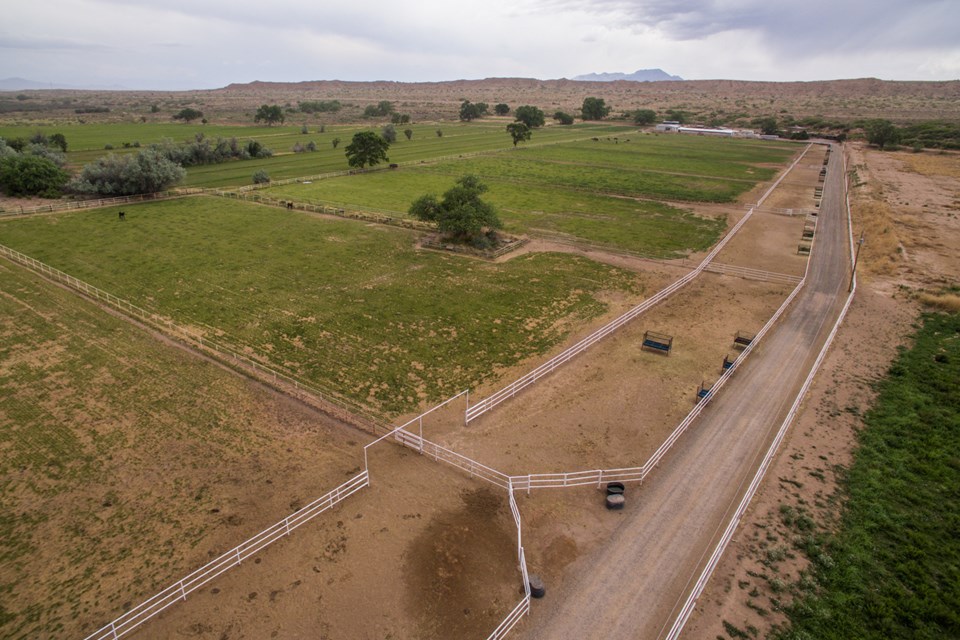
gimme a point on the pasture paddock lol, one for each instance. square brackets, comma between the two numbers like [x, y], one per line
[127, 460]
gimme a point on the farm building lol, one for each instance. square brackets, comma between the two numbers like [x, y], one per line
[668, 126]
[726, 133]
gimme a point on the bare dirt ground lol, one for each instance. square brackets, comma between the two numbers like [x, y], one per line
[907, 206]
[424, 552]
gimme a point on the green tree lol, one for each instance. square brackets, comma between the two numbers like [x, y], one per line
[530, 116]
[594, 109]
[381, 109]
[389, 133]
[461, 214]
[408, 133]
[270, 113]
[881, 133]
[482, 108]
[400, 118]
[335, 142]
[439, 133]
[644, 116]
[768, 126]
[367, 148]
[58, 140]
[30, 175]
[188, 114]
[678, 115]
[519, 131]
[469, 111]
[563, 118]
[501, 109]
[147, 171]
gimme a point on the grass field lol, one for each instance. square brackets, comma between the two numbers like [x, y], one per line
[893, 569]
[643, 226]
[86, 143]
[125, 460]
[349, 306]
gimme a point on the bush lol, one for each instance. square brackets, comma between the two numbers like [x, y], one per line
[389, 133]
[147, 171]
[563, 118]
[31, 175]
[261, 177]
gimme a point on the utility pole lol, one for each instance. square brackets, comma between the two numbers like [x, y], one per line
[856, 258]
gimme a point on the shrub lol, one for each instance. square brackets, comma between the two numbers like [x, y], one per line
[261, 177]
[31, 175]
[147, 171]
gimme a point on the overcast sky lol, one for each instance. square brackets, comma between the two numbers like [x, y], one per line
[196, 44]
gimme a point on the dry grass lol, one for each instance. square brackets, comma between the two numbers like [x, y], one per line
[949, 302]
[933, 164]
[881, 251]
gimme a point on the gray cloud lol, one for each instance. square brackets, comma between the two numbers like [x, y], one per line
[839, 25]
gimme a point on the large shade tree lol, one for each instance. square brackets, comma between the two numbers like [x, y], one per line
[367, 149]
[460, 214]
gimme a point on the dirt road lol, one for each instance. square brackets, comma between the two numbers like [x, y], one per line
[633, 587]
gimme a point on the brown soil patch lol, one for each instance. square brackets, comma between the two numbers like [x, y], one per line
[424, 552]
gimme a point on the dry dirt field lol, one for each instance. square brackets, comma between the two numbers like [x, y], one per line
[843, 100]
[907, 206]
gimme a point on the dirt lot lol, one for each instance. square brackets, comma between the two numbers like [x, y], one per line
[907, 206]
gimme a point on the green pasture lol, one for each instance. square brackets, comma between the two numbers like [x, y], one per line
[348, 306]
[117, 452]
[86, 143]
[644, 226]
[891, 567]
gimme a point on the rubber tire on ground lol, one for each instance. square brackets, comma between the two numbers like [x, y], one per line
[615, 501]
[615, 487]
[537, 588]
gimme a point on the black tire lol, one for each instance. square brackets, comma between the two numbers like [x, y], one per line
[615, 501]
[537, 588]
[614, 488]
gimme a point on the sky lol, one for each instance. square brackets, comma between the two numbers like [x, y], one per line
[202, 44]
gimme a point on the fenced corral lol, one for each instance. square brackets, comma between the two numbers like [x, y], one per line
[657, 342]
[577, 478]
[179, 590]
[439, 245]
[743, 339]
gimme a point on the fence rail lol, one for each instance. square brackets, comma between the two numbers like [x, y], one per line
[351, 411]
[179, 590]
[752, 274]
[75, 205]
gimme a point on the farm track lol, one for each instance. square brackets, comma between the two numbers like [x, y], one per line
[634, 585]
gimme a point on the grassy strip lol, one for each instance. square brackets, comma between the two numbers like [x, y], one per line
[345, 305]
[893, 568]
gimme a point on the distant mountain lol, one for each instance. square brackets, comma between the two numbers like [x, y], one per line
[641, 75]
[22, 84]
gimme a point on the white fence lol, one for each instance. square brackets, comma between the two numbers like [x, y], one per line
[179, 590]
[523, 607]
[75, 205]
[749, 273]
